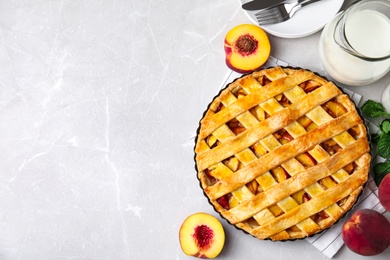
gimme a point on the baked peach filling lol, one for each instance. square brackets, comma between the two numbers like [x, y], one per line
[263, 80]
[310, 85]
[283, 136]
[235, 126]
[280, 174]
[330, 146]
[258, 149]
[259, 113]
[334, 108]
[283, 100]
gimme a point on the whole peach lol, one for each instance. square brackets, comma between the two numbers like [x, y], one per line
[384, 192]
[366, 232]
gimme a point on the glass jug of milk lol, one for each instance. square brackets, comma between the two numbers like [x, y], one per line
[355, 46]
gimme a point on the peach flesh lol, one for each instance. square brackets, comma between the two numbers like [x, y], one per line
[201, 235]
[247, 48]
[367, 232]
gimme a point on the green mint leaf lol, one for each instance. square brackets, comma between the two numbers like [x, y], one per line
[385, 126]
[380, 170]
[384, 146]
[374, 109]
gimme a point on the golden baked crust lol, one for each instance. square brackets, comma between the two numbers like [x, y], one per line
[282, 153]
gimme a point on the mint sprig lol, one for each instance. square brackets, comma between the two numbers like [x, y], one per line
[372, 108]
[383, 146]
[375, 109]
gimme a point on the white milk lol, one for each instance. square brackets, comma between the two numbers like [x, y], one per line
[368, 32]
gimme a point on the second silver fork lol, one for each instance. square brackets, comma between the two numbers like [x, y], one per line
[280, 13]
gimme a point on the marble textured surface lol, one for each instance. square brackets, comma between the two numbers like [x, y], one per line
[99, 104]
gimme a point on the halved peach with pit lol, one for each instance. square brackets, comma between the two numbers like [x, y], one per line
[247, 48]
[202, 235]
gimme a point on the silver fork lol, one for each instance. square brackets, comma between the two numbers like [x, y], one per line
[280, 13]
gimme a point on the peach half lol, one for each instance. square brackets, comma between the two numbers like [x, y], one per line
[202, 235]
[384, 192]
[247, 48]
[366, 232]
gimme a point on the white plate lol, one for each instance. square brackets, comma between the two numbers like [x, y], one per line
[310, 19]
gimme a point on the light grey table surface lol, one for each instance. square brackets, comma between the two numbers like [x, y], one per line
[99, 104]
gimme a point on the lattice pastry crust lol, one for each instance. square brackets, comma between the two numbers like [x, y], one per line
[282, 153]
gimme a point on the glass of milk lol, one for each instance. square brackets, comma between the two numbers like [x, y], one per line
[355, 46]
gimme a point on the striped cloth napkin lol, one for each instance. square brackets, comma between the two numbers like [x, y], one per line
[330, 241]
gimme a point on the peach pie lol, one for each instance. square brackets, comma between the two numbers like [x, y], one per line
[282, 153]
